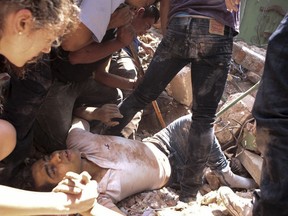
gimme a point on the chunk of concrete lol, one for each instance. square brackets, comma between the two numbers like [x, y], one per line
[252, 163]
[248, 58]
[180, 88]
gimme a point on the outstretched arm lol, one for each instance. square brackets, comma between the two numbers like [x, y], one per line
[97, 51]
[21, 202]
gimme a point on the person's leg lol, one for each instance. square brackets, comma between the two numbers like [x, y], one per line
[209, 73]
[172, 140]
[54, 118]
[170, 57]
[148, 90]
[220, 166]
[123, 65]
[270, 111]
[95, 94]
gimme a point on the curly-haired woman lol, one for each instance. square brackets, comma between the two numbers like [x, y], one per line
[27, 29]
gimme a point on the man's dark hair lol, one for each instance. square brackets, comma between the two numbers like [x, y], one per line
[20, 176]
[152, 11]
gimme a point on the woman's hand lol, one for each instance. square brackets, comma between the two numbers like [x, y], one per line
[81, 192]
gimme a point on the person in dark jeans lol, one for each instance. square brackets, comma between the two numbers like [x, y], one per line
[201, 33]
[271, 113]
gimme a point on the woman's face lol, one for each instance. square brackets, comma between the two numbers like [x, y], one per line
[20, 43]
[25, 47]
[51, 169]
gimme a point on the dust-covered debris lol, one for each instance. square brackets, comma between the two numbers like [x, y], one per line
[165, 202]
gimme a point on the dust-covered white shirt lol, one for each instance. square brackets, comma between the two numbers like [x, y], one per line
[96, 15]
[133, 166]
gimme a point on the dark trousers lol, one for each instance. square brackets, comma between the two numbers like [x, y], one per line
[271, 114]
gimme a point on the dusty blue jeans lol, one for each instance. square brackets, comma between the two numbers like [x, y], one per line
[172, 140]
[271, 114]
[187, 41]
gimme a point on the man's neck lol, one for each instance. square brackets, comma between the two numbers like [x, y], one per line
[93, 169]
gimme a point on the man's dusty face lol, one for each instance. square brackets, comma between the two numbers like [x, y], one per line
[139, 3]
[51, 169]
[142, 25]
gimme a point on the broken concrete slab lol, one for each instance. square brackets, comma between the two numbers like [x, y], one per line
[248, 58]
[180, 88]
[252, 163]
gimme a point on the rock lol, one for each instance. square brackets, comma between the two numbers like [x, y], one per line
[180, 88]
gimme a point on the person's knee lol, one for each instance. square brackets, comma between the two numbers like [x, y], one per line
[7, 138]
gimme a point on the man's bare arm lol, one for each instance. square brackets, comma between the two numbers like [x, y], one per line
[77, 39]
